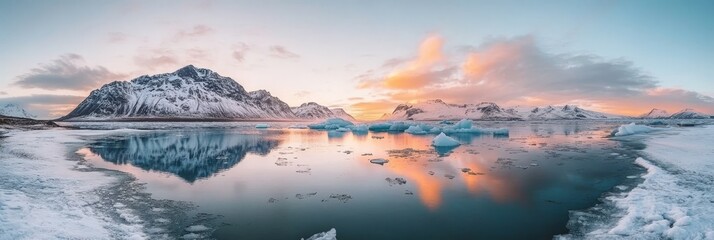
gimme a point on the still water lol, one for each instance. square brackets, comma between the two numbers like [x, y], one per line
[283, 183]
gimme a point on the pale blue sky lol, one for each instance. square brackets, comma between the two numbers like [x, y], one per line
[335, 41]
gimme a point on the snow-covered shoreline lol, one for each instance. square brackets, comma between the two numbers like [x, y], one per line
[47, 193]
[675, 200]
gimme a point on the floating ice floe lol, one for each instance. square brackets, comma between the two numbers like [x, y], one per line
[262, 125]
[416, 130]
[330, 124]
[444, 141]
[630, 129]
[329, 235]
[380, 161]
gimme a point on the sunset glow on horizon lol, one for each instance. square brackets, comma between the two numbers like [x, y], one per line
[367, 59]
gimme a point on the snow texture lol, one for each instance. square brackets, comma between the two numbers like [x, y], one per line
[329, 235]
[675, 199]
[43, 196]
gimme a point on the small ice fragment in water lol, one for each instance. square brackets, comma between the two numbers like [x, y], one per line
[262, 125]
[380, 161]
[534, 164]
[396, 181]
[621, 187]
[444, 141]
[329, 235]
[341, 197]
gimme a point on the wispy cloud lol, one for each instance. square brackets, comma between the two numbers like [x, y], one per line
[67, 72]
[282, 52]
[239, 51]
[195, 31]
[518, 71]
[156, 58]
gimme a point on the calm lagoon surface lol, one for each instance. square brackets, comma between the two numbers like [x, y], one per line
[284, 183]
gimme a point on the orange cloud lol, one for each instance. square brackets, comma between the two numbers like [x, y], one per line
[424, 70]
[516, 71]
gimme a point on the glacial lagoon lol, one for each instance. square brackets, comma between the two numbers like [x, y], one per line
[286, 183]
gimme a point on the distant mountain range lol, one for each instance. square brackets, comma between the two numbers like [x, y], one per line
[13, 110]
[199, 93]
[190, 93]
[439, 110]
[683, 114]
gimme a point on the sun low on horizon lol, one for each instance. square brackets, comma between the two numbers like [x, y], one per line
[366, 59]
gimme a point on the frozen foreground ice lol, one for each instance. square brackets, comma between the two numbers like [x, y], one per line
[44, 194]
[329, 235]
[675, 200]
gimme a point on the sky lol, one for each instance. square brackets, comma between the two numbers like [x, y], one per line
[623, 57]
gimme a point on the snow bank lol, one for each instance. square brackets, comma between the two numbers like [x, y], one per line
[444, 141]
[416, 130]
[331, 124]
[673, 202]
[630, 129]
[42, 196]
[329, 235]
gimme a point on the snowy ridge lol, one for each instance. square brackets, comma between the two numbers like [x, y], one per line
[13, 110]
[439, 110]
[655, 114]
[683, 114]
[312, 110]
[189, 92]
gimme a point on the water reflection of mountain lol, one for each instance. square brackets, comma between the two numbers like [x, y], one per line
[189, 155]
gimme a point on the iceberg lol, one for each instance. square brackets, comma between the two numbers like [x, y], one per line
[444, 141]
[262, 125]
[630, 129]
[415, 130]
[380, 127]
[360, 128]
[331, 124]
[342, 129]
[398, 127]
[464, 124]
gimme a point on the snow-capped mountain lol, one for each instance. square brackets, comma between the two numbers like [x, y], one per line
[656, 113]
[341, 113]
[189, 92]
[13, 110]
[439, 110]
[312, 110]
[689, 114]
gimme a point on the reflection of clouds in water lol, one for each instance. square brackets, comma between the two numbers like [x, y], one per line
[189, 155]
